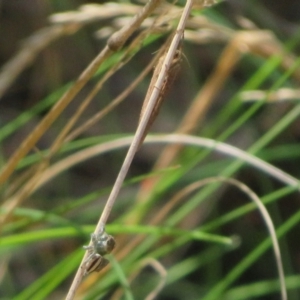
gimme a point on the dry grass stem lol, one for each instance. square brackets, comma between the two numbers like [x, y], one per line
[89, 13]
[168, 81]
[116, 42]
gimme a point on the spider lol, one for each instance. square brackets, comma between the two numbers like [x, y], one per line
[102, 244]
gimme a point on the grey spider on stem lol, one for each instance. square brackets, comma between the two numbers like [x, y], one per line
[102, 244]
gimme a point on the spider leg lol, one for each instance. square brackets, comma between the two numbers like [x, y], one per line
[94, 243]
[88, 247]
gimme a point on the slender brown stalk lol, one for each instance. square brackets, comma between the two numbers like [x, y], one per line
[136, 141]
[117, 40]
[168, 81]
